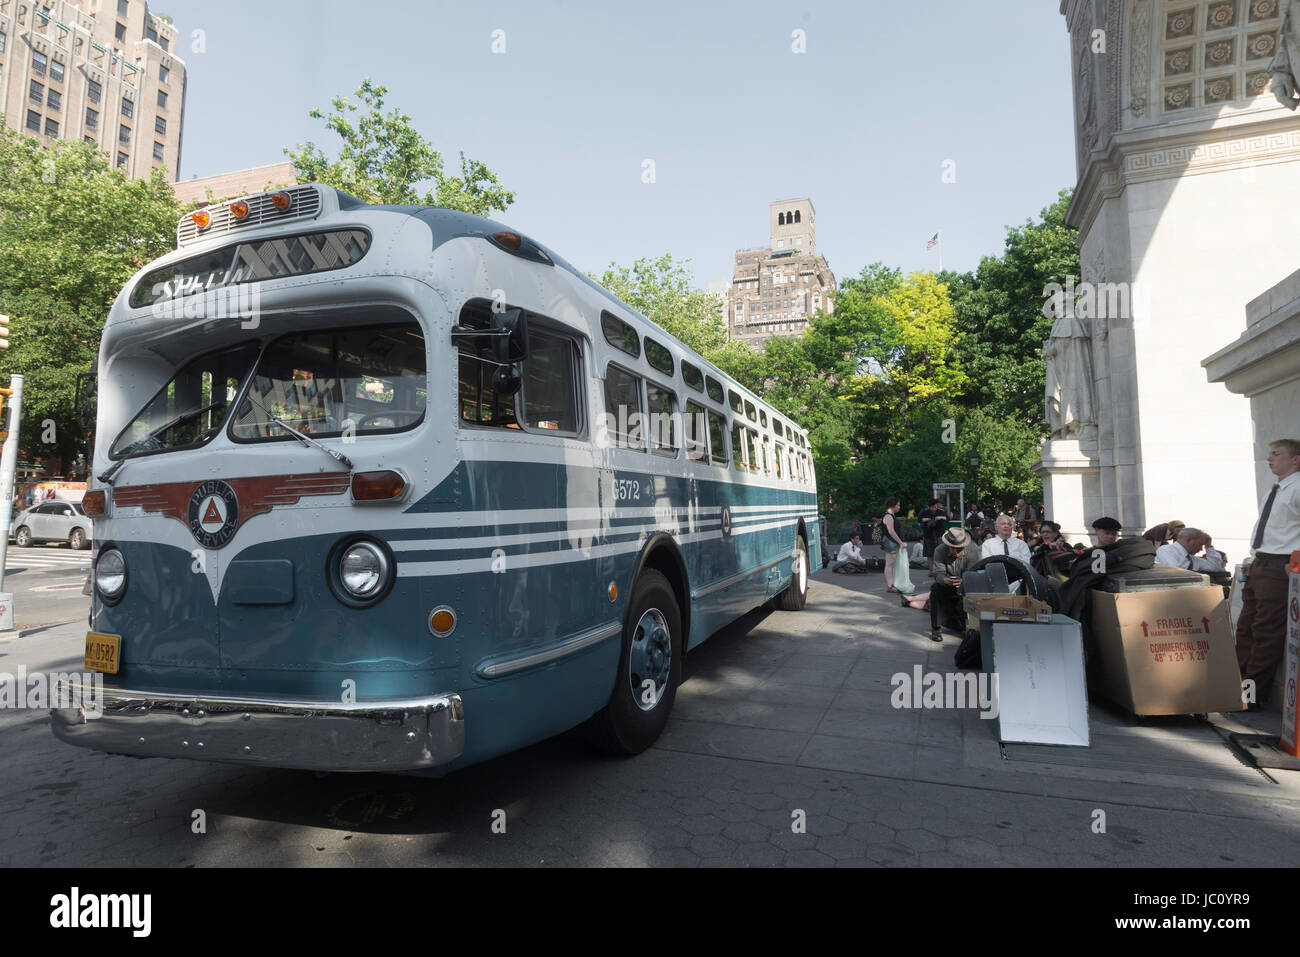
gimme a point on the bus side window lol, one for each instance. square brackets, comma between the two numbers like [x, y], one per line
[780, 473]
[717, 438]
[550, 387]
[697, 433]
[738, 453]
[623, 405]
[663, 407]
[478, 403]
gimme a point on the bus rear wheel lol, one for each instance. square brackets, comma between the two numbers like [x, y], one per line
[649, 670]
[796, 596]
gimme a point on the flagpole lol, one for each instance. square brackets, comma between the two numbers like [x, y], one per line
[940, 233]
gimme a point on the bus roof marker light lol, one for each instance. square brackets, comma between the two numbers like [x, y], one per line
[509, 240]
[202, 218]
[281, 201]
[239, 209]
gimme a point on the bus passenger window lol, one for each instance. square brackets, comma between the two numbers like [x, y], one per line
[780, 472]
[623, 405]
[620, 335]
[714, 389]
[717, 438]
[550, 387]
[693, 377]
[697, 433]
[737, 444]
[663, 406]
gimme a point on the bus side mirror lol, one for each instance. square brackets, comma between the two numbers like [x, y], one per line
[511, 348]
[512, 327]
[84, 399]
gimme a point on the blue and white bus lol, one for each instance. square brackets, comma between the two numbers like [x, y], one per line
[395, 488]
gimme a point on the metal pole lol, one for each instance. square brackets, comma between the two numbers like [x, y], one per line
[8, 465]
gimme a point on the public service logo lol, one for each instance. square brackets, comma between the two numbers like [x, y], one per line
[213, 514]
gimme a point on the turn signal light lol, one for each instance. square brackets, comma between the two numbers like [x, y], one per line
[442, 621]
[95, 503]
[281, 200]
[239, 209]
[201, 218]
[377, 486]
[509, 240]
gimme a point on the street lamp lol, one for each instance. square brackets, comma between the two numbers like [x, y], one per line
[975, 467]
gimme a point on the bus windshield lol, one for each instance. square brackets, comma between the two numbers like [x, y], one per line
[347, 382]
[191, 408]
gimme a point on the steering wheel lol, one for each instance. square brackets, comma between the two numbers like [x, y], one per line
[397, 417]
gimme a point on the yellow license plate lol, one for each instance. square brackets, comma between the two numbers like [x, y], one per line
[103, 652]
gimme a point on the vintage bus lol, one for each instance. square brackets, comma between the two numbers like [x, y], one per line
[390, 488]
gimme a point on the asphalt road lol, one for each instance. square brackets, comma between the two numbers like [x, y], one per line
[783, 749]
[46, 583]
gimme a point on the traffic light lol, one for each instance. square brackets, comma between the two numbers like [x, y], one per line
[4, 332]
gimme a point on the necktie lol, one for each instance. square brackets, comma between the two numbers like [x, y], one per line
[1006, 549]
[1190, 560]
[1263, 519]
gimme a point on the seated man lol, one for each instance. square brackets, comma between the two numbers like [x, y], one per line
[953, 558]
[1183, 552]
[850, 556]
[1003, 543]
[1107, 530]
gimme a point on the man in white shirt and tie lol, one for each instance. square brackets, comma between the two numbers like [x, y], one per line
[1261, 629]
[1003, 544]
[1183, 552]
[851, 554]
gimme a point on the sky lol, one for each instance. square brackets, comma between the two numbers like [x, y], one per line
[886, 98]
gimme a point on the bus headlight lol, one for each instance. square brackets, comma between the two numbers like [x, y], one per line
[361, 571]
[110, 575]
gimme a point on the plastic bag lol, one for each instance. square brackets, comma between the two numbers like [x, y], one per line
[902, 576]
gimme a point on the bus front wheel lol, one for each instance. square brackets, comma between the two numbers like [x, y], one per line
[795, 596]
[649, 669]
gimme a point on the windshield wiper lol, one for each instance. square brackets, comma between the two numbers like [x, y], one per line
[339, 456]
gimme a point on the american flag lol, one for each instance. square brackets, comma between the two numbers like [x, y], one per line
[933, 242]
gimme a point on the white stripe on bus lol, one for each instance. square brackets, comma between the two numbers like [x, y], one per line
[562, 556]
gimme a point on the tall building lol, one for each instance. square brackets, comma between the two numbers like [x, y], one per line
[101, 70]
[775, 288]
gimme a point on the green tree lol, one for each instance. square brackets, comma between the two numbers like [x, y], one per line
[999, 312]
[383, 159]
[72, 232]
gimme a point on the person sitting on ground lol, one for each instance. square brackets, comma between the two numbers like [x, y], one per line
[850, 557]
[953, 558]
[1183, 552]
[1003, 543]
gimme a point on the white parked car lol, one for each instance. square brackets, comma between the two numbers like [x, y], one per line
[52, 522]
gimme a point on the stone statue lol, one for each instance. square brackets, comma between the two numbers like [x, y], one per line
[1068, 355]
[1285, 66]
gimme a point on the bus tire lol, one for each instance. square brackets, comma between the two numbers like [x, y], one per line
[796, 596]
[649, 669]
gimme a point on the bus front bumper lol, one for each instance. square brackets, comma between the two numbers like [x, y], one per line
[386, 735]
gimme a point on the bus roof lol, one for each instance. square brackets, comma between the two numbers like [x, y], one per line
[261, 215]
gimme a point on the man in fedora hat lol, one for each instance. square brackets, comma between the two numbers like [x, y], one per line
[954, 556]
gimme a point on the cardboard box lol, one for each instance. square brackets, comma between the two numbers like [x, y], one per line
[1290, 729]
[1016, 608]
[1042, 694]
[1165, 652]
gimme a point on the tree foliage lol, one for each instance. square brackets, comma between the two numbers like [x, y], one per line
[383, 159]
[72, 232]
[999, 312]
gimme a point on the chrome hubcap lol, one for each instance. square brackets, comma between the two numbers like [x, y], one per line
[650, 659]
